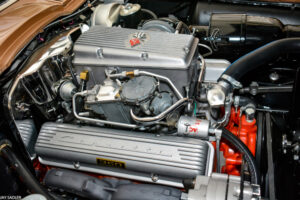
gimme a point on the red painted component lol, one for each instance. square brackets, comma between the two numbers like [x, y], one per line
[134, 42]
[246, 131]
[40, 169]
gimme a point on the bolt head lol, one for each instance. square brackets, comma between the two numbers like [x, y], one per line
[144, 56]
[76, 165]
[154, 177]
[274, 76]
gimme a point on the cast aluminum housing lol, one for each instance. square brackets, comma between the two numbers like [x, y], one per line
[168, 54]
[133, 155]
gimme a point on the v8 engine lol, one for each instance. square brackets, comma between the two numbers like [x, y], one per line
[131, 79]
[152, 104]
[130, 103]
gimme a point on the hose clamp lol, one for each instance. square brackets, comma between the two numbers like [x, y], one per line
[236, 84]
[2, 146]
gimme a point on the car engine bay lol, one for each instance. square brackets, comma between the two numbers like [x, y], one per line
[121, 101]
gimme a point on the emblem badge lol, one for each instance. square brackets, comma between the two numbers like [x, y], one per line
[137, 39]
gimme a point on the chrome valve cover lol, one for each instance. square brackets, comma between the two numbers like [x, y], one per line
[168, 54]
[133, 155]
[114, 46]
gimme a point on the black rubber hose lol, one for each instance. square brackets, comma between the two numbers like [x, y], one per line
[261, 56]
[247, 154]
[23, 172]
[70, 65]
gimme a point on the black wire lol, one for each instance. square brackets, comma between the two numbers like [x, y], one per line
[70, 65]
[59, 21]
[247, 154]
[241, 196]
[25, 175]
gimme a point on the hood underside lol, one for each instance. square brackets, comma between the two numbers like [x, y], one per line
[22, 20]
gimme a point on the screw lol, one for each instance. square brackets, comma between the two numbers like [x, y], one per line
[154, 177]
[100, 52]
[144, 56]
[274, 76]
[186, 50]
[76, 165]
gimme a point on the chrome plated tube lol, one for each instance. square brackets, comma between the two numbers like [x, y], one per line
[202, 72]
[225, 118]
[208, 48]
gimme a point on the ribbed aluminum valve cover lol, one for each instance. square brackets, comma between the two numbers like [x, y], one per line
[113, 46]
[168, 54]
[133, 155]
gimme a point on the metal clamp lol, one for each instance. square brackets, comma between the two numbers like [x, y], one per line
[236, 84]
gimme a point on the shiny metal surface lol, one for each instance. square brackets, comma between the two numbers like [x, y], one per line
[102, 47]
[66, 90]
[170, 158]
[192, 127]
[64, 44]
[175, 52]
[214, 69]
[222, 187]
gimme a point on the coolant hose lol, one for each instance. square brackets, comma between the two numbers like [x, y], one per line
[261, 56]
[23, 172]
[247, 154]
